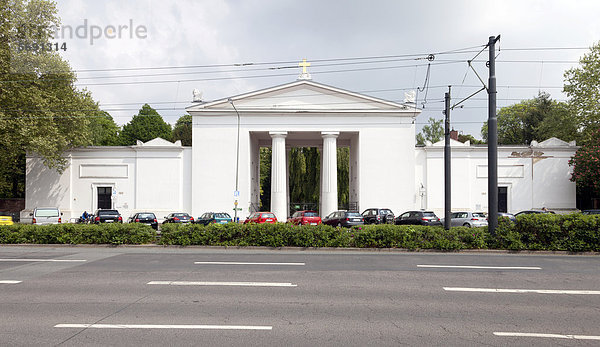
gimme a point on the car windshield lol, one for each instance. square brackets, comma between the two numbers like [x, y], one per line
[268, 215]
[477, 214]
[180, 215]
[353, 214]
[310, 214]
[108, 212]
[46, 212]
[146, 215]
[428, 214]
[222, 215]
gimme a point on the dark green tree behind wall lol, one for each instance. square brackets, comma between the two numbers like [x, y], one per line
[537, 119]
[183, 130]
[148, 124]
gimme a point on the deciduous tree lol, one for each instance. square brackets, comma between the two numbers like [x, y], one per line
[582, 86]
[538, 119]
[586, 163]
[432, 132]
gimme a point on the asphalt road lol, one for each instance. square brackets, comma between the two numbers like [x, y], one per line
[152, 296]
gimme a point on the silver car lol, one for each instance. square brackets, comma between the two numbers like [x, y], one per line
[468, 219]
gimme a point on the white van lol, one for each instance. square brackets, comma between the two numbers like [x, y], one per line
[46, 215]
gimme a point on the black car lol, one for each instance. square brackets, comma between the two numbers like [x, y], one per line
[509, 216]
[590, 211]
[532, 212]
[144, 218]
[178, 218]
[107, 216]
[418, 218]
[378, 216]
[345, 219]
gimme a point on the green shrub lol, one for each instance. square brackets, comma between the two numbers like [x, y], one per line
[574, 232]
[77, 234]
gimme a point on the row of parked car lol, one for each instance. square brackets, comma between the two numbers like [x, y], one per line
[343, 218]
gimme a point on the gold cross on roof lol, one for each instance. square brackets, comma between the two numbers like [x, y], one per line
[304, 65]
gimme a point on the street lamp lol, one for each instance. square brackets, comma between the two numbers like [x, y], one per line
[237, 163]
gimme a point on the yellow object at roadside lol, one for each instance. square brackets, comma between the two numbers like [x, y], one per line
[6, 220]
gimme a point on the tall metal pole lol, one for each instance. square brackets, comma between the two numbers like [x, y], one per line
[447, 171]
[237, 164]
[492, 140]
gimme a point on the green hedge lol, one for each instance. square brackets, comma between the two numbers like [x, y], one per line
[115, 234]
[368, 236]
[574, 233]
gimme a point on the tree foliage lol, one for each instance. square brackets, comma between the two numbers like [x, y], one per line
[432, 132]
[41, 110]
[148, 124]
[183, 130]
[586, 163]
[103, 130]
[468, 137]
[582, 86]
[538, 119]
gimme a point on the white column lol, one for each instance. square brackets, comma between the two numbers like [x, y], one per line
[278, 175]
[329, 198]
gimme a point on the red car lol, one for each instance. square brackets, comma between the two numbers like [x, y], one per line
[305, 218]
[261, 217]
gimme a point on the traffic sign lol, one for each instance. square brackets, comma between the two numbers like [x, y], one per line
[236, 193]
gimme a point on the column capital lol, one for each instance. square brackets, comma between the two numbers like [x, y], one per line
[330, 134]
[279, 134]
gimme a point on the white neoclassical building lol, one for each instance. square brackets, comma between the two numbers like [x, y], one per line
[221, 169]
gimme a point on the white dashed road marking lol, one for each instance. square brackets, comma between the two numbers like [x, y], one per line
[9, 282]
[241, 263]
[555, 336]
[246, 284]
[523, 291]
[482, 267]
[165, 326]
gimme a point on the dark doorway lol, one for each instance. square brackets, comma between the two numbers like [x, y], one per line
[104, 197]
[502, 199]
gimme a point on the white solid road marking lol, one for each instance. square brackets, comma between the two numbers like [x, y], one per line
[556, 336]
[483, 267]
[538, 291]
[165, 326]
[246, 284]
[45, 260]
[9, 282]
[241, 263]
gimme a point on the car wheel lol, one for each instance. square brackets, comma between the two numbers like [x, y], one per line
[467, 225]
[339, 225]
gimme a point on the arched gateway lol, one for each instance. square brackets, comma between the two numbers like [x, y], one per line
[228, 133]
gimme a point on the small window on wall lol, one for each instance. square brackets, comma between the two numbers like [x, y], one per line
[104, 198]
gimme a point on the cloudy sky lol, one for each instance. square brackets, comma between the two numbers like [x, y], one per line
[182, 45]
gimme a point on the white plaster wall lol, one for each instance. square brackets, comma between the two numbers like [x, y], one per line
[532, 183]
[551, 184]
[387, 167]
[145, 185]
[213, 165]
[45, 188]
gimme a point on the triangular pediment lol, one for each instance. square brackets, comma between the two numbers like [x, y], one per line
[158, 142]
[553, 142]
[303, 95]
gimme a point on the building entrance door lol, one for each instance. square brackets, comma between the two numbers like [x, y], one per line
[104, 197]
[502, 199]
